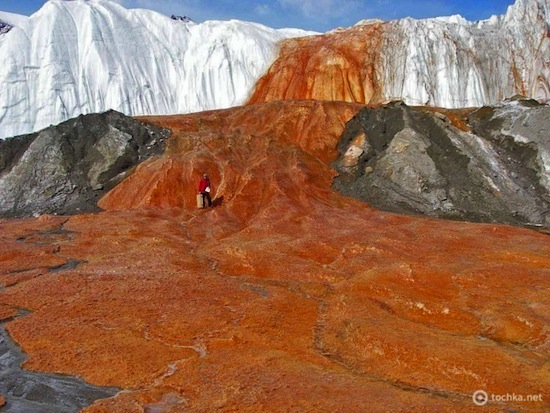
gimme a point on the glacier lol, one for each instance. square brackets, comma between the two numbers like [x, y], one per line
[85, 56]
[453, 63]
[13, 19]
[78, 57]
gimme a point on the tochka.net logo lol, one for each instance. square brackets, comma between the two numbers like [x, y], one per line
[481, 398]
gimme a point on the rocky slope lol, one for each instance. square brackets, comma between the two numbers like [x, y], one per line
[446, 62]
[68, 168]
[285, 297]
[402, 159]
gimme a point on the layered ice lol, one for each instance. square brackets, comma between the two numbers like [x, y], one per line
[451, 62]
[77, 57]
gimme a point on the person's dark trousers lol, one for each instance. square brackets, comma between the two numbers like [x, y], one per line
[205, 197]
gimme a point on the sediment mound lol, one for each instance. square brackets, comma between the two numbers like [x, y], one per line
[256, 157]
[411, 160]
[65, 169]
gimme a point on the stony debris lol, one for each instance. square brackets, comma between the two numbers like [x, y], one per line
[408, 160]
[65, 169]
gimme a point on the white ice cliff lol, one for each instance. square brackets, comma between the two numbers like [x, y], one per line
[74, 57]
[454, 63]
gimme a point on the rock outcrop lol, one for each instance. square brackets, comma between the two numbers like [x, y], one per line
[285, 297]
[66, 169]
[5, 27]
[411, 160]
[446, 62]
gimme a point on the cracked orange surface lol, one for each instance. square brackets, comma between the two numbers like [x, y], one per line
[285, 297]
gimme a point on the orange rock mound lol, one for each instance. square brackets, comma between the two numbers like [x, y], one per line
[284, 297]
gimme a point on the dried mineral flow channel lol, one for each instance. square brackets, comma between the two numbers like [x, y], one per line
[36, 392]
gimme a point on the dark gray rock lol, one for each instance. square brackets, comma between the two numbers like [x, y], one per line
[5, 27]
[66, 169]
[408, 160]
[184, 19]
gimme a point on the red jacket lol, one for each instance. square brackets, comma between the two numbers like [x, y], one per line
[203, 184]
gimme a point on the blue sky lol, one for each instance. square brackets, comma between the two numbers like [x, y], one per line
[319, 15]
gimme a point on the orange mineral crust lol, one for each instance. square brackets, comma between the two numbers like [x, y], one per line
[256, 152]
[285, 296]
[333, 66]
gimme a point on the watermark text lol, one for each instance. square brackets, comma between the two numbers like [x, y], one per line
[481, 398]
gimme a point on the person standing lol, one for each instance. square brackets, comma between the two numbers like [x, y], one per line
[204, 190]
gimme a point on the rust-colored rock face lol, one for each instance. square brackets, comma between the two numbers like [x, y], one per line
[284, 297]
[335, 66]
